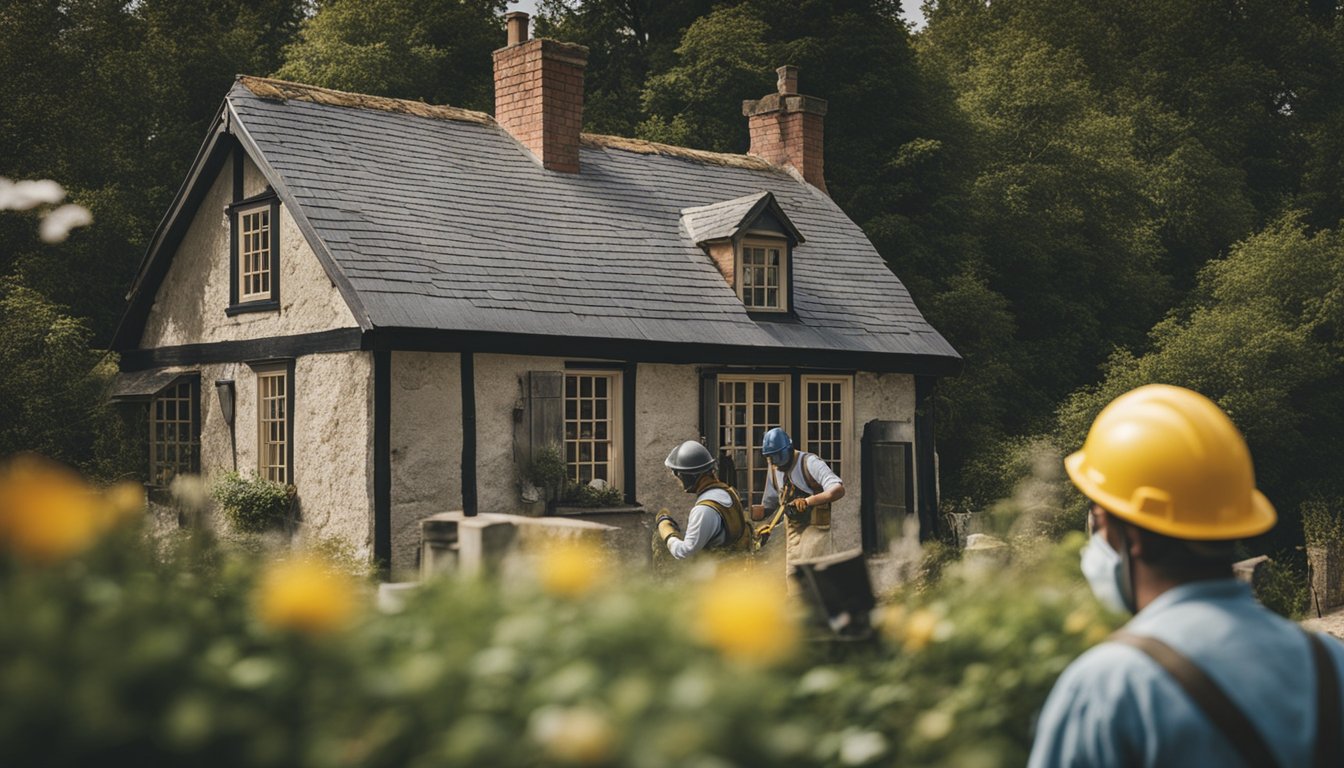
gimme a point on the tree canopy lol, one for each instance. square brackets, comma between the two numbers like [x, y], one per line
[1081, 196]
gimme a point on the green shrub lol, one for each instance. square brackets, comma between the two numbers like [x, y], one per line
[1281, 585]
[253, 504]
[1323, 521]
[163, 658]
[583, 495]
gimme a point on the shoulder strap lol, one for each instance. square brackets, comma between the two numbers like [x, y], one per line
[1327, 705]
[812, 484]
[1221, 710]
[734, 520]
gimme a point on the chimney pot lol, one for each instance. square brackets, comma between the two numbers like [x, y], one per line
[539, 95]
[786, 128]
[517, 25]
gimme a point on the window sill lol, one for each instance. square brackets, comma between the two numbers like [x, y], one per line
[778, 316]
[264, 305]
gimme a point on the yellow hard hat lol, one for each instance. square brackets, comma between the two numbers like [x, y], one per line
[1170, 461]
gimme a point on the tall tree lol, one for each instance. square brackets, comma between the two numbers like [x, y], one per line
[433, 51]
[628, 41]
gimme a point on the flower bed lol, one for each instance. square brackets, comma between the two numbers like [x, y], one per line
[194, 654]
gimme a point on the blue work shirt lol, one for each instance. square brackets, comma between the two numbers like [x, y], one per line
[1114, 706]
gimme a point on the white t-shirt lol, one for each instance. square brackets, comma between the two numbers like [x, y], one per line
[704, 528]
[815, 466]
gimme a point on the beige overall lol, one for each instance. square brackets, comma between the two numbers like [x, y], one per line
[808, 534]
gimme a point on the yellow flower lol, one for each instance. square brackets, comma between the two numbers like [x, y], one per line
[574, 735]
[571, 568]
[305, 595]
[746, 616]
[1078, 621]
[125, 500]
[920, 629]
[47, 512]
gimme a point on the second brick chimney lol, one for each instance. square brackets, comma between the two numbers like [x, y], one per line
[786, 128]
[539, 94]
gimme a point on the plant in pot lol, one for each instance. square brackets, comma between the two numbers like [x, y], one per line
[548, 473]
[1323, 529]
[253, 504]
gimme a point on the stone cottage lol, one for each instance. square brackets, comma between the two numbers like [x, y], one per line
[392, 305]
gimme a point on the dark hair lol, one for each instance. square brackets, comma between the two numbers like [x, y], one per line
[1185, 560]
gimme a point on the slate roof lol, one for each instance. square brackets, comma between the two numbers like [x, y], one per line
[441, 220]
[706, 223]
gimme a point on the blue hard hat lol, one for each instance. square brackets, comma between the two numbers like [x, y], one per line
[777, 442]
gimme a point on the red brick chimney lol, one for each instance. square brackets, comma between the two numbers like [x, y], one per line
[786, 128]
[539, 94]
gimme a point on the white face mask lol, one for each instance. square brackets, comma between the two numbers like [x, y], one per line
[1106, 574]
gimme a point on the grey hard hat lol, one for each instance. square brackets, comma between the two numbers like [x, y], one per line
[690, 457]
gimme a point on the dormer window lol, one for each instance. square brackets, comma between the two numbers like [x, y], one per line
[762, 277]
[254, 282]
[751, 242]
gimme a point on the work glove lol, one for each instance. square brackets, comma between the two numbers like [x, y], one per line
[762, 535]
[666, 526]
[796, 508]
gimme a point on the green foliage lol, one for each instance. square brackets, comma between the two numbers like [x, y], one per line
[584, 495]
[1323, 521]
[253, 504]
[53, 387]
[161, 658]
[431, 51]
[1262, 338]
[1282, 586]
[722, 60]
[548, 469]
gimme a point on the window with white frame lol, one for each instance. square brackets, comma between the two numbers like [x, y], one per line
[274, 424]
[174, 432]
[593, 426]
[254, 253]
[827, 419]
[762, 274]
[749, 406]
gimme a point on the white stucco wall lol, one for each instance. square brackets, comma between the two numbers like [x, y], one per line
[499, 392]
[190, 305]
[333, 452]
[667, 412]
[426, 442]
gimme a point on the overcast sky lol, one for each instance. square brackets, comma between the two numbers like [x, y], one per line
[910, 7]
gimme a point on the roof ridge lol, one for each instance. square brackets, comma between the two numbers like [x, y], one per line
[643, 147]
[285, 90]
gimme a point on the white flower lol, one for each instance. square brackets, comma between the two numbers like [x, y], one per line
[23, 195]
[859, 747]
[56, 225]
[189, 491]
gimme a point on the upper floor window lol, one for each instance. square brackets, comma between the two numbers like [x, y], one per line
[763, 275]
[254, 280]
[751, 242]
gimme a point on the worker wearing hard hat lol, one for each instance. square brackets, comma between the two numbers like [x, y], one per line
[717, 519]
[802, 487]
[1203, 675]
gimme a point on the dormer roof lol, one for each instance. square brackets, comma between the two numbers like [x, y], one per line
[729, 218]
